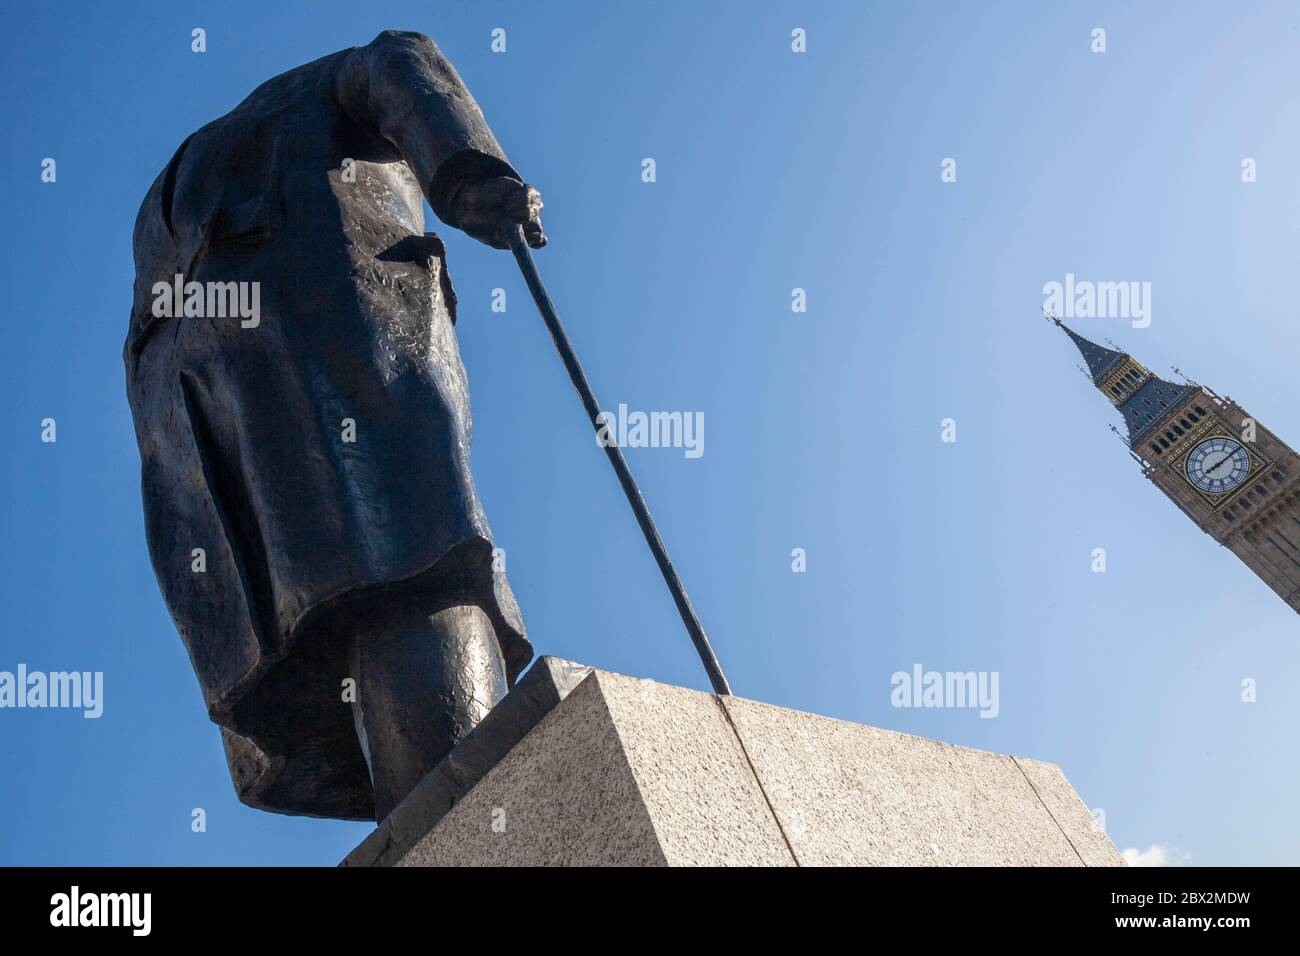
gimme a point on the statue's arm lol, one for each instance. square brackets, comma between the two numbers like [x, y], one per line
[401, 87]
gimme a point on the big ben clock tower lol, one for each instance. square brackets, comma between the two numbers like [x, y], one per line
[1238, 481]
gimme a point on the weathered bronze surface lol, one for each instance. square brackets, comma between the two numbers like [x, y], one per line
[317, 451]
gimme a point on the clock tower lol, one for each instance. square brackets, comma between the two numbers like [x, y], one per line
[1238, 481]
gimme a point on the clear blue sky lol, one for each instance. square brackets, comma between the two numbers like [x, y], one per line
[775, 171]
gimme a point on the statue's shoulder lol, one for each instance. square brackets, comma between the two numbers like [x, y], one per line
[311, 81]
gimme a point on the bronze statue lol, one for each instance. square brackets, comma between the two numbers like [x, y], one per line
[308, 500]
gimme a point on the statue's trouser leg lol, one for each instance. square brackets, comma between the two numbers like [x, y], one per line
[424, 680]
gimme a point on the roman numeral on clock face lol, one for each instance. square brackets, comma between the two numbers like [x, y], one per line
[1218, 464]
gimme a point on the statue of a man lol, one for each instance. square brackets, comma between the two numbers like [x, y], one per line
[304, 428]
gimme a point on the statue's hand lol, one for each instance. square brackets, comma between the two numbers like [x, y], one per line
[487, 208]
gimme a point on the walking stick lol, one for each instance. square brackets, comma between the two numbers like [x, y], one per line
[524, 256]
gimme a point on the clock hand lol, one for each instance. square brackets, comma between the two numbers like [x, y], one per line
[1215, 466]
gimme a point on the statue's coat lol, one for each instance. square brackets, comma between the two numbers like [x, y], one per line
[241, 429]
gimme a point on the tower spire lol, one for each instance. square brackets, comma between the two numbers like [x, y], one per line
[1100, 360]
[1143, 399]
[1186, 439]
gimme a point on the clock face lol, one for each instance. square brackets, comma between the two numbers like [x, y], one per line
[1218, 464]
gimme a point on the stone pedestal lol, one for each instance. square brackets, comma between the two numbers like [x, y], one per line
[579, 767]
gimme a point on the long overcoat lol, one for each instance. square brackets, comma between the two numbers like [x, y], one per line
[308, 455]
